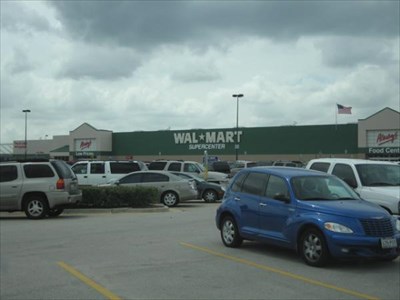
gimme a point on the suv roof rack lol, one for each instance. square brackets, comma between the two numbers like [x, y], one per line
[33, 160]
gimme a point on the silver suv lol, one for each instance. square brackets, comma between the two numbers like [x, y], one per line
[40, 189]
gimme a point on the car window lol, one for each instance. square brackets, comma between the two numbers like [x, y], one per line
[157, 165]
[123, 167]
[189, 167]
[182, 175]
[238, 165]
[220, 166]
[62, 169]
[8, 173]
[237, 184]
[97, 168]
[174, 167]
[80, 168]
[345, 172]
[255, 184]
[38, 171]
[320, 166]
[132, 178]
[276, 186]
[379, 174]
[154, 177]
[322, 188]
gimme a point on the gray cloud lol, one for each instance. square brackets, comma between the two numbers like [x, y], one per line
[149, 65]
[16, 17]
[19, 63]
[99, 63]
[143, 24]
[353, 51]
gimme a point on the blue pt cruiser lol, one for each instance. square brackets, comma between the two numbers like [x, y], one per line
[314, 213]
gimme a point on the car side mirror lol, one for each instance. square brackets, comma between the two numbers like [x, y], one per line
[116, 182]
[282, 197]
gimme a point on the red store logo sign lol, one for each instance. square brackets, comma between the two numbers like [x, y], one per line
[85, 145]
[386, 138]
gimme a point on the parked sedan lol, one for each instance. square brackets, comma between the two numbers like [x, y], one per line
[208, 191]
[316, 214]
[172, 189]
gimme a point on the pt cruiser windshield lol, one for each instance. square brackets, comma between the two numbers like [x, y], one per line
[322, 188]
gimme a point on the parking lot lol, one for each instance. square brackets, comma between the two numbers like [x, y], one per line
[170, 254]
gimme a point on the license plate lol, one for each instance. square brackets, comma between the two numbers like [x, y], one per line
[388, 243]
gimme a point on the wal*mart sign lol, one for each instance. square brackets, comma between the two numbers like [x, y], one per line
[206, 140]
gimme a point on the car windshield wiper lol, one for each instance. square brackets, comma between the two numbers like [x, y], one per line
[346, 198]
[317, 198]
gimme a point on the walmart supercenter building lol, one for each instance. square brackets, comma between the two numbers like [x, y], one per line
[375, 137]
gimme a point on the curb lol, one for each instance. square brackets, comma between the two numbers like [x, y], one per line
[154, 208]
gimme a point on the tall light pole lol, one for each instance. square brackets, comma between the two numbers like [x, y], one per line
[26, 111]
[237, 96]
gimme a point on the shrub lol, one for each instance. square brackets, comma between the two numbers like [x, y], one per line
[118, 196]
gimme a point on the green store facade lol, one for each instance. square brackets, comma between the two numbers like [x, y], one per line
[376, 137]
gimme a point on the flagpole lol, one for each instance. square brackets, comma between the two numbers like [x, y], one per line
[336, 117]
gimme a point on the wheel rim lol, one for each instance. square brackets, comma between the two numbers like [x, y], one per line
[228, 231]
[35, 208]
[170, 199]
[209, 196]
[312, 247]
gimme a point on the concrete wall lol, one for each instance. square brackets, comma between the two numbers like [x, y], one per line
[385, 119]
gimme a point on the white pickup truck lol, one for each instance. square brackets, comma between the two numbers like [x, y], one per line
[374, 181]
[41, 188]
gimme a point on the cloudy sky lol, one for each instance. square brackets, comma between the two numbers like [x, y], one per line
[156, 65]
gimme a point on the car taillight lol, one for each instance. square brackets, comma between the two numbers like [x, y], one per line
[60, 184]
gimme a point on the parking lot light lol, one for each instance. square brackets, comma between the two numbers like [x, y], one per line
[237, 96]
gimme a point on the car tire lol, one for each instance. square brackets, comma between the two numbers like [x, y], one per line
[313, 248]
[55, 212]
[230, 233]
[170, 199]
[210, 196]
[36, 207]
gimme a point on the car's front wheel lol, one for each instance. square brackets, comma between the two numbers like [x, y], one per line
[36, 207]
[313, 248]
[229, 233]
[210, 196]
[170, 199]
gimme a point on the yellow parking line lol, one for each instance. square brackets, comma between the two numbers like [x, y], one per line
[106, 293]
[280, 272]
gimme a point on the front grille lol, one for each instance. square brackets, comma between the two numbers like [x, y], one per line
[378, 227]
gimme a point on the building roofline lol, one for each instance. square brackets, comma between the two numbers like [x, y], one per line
[378, 112]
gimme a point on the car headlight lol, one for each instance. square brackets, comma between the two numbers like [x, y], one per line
[397, 224]
[335, 227]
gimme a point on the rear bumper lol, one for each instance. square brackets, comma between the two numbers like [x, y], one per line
[63, 199]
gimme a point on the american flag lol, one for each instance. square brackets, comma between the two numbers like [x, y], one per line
[344, 109]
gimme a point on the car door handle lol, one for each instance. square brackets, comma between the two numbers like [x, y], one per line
[104, 176]
[84, 176]
[236, 199]
[263, 204]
